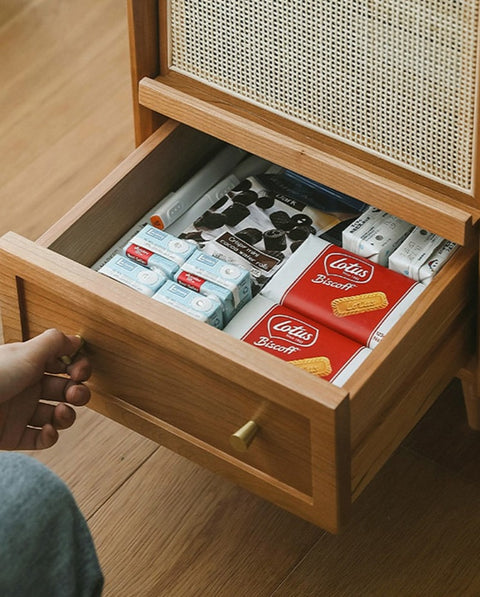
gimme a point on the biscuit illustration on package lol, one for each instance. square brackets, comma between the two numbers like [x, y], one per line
[359, 303]
[320, 366]
[297, 340]
[358, 298]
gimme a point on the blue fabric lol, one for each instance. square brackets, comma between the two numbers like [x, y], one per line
[46, 549]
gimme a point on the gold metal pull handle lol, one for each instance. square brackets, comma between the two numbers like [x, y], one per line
[241, 439]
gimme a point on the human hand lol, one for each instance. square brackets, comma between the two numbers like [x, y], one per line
[27, 421]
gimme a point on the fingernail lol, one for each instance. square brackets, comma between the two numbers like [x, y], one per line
[68, 360]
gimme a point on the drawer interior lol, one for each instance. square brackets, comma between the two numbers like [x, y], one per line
[166, 160]
[190, 386]
[188, 382]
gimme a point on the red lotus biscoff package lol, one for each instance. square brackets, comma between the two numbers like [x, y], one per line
[352, 295]
[298, 340]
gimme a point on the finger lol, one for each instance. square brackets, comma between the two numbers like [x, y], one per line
[38, 439]
[60, 416]
[80, 369]
[77, 394]
[61, 389]
[47, 349]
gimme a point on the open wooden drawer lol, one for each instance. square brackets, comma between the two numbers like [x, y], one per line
[190, 386]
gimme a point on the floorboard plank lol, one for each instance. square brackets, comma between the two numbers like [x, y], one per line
[188, 533]
[443, 435]
[66, 108]
[95, 457]
[11, 9]
[415, 532]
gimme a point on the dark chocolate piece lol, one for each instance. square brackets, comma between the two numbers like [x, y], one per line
[281, 220]
[219, 203]
[294, 246]
[196, 236]
[275, 240]
[302, 220]
[244, 185]
[210, 220]
[250, 235]
[299, 232]
[235, 214]
[265, 201]
[246, 197]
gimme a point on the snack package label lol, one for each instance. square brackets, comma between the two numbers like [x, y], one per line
[202, 286]
[198, 306]
[152, 260]
[298, 340]
[136, 276]
[351, 295]
[256, 228]
[190, 281]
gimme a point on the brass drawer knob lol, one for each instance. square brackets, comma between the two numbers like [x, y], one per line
[68, 359]
[241, 439]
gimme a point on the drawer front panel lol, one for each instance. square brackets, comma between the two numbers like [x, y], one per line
[175, 390]
[193, 379]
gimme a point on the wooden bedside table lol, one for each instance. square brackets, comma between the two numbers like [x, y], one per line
[189, 386]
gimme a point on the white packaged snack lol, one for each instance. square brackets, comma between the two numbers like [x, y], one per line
[375, 235]
[256, 228]
[421, 255]
[164, 244]
[151, 260]
[234, 278]
[135, 276]
[200, 307]
[437, 260]
[207, 288]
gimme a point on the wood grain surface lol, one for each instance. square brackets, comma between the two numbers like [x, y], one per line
[163, 526]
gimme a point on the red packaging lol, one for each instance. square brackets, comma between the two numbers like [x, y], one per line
[298, 340]
[352, 295]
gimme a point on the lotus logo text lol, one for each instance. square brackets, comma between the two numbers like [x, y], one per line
[349, 268]
[292, 330]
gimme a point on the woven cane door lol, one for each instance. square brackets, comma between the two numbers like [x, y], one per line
[395, 78]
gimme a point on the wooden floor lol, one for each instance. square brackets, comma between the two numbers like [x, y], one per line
[163, 526]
